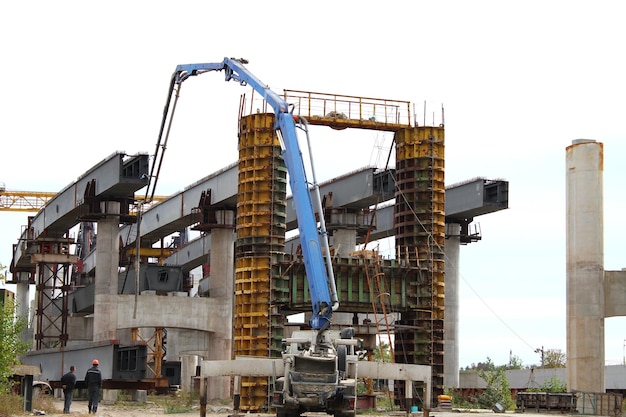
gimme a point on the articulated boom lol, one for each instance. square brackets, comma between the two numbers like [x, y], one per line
[314, 241]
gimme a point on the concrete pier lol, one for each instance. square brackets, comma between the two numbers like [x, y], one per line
[221, 286]
[451, 303]
[344, 242]
[585, 266]
[107, 262]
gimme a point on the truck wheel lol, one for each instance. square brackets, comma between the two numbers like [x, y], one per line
[342, 358]
[345, 414]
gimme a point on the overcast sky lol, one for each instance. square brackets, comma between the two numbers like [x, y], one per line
[519, 81]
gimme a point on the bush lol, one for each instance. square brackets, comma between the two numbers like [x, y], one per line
[11, 344]
[10, 405]
[44, 402]
[458, 401]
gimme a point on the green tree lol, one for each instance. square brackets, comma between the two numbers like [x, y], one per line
[553, 384]
[553, 358]
[382, 352]
[498, 389]
[515, 362]
[11, 344]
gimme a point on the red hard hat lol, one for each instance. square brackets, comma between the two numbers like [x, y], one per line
[95, 362]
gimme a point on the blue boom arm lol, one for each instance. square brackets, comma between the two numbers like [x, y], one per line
[310, 236]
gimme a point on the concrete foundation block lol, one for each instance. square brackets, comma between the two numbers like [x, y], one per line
[109, 396]
[140, 396]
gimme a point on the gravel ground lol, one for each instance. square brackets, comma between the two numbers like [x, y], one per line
[79, 409]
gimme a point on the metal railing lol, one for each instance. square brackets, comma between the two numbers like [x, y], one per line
[337, 106]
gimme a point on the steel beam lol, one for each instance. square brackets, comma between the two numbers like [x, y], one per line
[175, 213]
[118, 176]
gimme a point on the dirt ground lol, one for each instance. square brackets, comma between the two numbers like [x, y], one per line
[79, 409]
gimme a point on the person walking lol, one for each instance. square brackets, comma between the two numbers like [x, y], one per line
[68, 381]
[93, 380]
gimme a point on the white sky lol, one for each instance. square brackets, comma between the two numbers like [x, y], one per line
[519, 81]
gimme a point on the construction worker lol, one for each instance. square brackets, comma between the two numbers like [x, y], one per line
[68, 381]
[93, 380]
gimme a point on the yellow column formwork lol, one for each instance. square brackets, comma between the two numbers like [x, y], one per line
[260, 241]
[420, 235]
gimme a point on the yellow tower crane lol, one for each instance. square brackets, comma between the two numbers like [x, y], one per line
[31, 201]
[25, 201]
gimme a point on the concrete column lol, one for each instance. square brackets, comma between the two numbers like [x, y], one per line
[22, 296]
[188, 365]
[107, 262]
[451, 305]
[585, 266]
[344, 242]
[221, 288]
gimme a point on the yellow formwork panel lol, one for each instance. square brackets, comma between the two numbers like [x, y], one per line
[252, 320]
[421, 150]
[259, 215]
[267, 163]
[254, 215]
[261, 167]
[257, 121]
[252, 295]
[251, 347]
[256, 156]
[254, 231]
[257, 138]
[260, 224]
[252, 285]
[254, 198]
[252, 298]
[258, 141]
[258, 262]
[246, 323]
[254, 185]
[420, 142]
[252, 275]
[253, 180]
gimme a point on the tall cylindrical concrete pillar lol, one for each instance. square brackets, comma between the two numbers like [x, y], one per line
[451, 302]
[585, 266]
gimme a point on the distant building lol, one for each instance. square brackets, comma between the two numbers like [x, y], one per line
[6, 295]
[531, 379]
